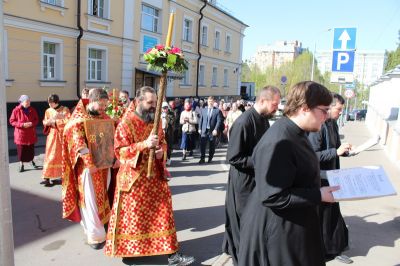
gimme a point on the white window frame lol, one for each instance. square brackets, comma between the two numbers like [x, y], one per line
[104, 74]
[106, 9]
[204, 36]
[217, 40]
[58, 64]
[226, 76]
[187, 33]
[54, 2]
[186, 76]
[57, 5]
[214, 77]
[158, 18]
[202, 72]
[228, 44]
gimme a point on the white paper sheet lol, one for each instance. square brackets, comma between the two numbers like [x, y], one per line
[366, 145]
[360, 183]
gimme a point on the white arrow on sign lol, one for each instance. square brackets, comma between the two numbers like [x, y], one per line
[344, 37]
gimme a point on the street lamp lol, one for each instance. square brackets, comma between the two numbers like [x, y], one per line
[313, 55]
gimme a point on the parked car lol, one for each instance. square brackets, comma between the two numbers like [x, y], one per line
[357, 115]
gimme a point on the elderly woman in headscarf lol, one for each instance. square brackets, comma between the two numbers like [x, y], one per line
[24, 119]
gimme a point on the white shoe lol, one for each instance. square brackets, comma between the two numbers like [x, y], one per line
[168, 162]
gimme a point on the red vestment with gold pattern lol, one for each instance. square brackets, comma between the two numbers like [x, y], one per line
[52, 165]
[73, 165]
[141, 222]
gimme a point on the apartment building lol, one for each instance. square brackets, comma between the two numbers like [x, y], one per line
[61, 46]
[277, 54]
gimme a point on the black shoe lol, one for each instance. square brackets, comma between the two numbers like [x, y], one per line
[178, 259]
[191, 153]
[202, 161]
[184, 157]
[209, 160]
[128, 261]
[34, 165]
[46, 183]
[21, 168]
[97, 246]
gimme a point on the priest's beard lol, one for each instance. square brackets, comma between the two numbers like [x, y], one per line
[147, 114]
[92, 112]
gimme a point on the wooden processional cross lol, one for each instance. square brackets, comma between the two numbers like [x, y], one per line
[160, 98]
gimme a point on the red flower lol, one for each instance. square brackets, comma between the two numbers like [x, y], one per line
[160, 47]
[175, 50]
[149, 50]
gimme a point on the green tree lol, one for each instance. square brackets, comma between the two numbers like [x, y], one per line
[393, 57]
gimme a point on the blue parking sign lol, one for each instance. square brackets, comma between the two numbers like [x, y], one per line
[343, 61]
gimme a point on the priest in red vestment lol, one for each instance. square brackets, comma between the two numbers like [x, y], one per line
[84, 186]
[54, 121]
[142, 222]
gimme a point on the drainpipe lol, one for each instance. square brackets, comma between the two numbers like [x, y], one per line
[198, 48]
[78, 50]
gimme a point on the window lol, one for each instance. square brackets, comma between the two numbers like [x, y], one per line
[150, 18]
[225, 77]
[216, 41]
[201, 75]
[187, 30]
[228, 43]
[53, 2]
[214, 76]
[51, 65]
[49, 60]
[99, 8]
[186, 76]
[204, 35]
[96, 65]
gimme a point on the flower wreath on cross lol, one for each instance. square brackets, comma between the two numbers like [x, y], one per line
[163, 59]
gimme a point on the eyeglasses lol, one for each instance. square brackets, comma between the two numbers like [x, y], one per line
[324, 111]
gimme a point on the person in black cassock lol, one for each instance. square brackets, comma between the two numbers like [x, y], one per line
[326, 143]
[246, 131]
[280, 224]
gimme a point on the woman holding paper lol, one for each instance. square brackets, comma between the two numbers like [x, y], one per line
[280, 225]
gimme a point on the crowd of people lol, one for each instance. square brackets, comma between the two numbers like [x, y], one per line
[278, 210]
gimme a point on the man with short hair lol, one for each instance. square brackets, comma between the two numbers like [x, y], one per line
[245, 133]
[124, 98]
[142, 222]
[210, 122]
[84, 186]
[328, 147]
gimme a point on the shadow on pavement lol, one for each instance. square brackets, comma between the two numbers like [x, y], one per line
[203, 248]
[175, 190]
[194, 173]
[379, 234]
[35, 217]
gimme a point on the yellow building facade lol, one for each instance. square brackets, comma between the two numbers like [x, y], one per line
[62, 46]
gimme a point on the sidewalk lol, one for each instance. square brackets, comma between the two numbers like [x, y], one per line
[374, 224]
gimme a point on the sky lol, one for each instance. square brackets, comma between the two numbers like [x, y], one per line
[308, 21]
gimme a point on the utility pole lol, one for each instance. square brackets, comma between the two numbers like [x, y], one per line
[6, 226]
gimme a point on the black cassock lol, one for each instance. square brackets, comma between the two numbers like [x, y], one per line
[334, 230]
[280, 225]
[247, 130]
